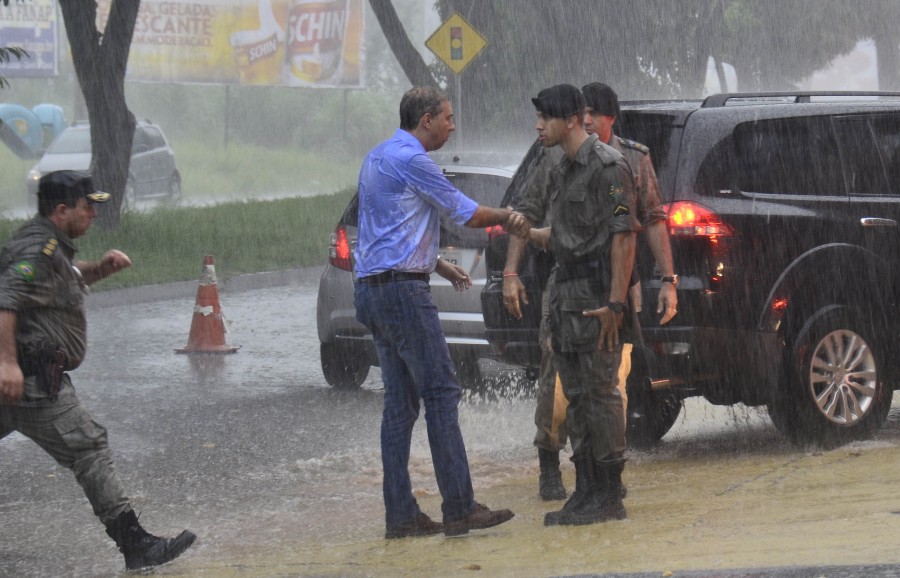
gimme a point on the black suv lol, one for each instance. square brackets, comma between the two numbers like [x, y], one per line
[782, 211]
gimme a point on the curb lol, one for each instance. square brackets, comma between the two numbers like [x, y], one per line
[187, 289]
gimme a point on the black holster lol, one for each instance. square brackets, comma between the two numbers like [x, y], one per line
[47, 365]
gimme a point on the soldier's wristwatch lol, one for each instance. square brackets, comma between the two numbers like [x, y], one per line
[616, 307]
[673, 279]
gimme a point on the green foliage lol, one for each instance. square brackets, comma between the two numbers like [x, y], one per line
[168, 245]
[6, 55]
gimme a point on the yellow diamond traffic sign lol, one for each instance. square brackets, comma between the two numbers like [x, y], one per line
[456, 43]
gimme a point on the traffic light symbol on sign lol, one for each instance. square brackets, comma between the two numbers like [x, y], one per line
[456, 44]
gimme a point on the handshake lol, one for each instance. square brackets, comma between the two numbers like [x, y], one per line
[518, 225]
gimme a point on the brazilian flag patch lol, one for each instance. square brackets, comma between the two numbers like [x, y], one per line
[621, 210]
[25, 270]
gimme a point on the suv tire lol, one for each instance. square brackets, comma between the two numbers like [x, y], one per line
[343, 367]
[835, 391]
[651, 413]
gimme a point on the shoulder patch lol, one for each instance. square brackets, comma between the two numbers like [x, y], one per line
[634, 145]
[621, 210]
[25, 270]
[50, 247]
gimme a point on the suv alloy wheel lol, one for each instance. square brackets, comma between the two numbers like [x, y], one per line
[835, 391]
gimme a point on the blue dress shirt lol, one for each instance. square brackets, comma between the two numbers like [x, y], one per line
[402, 194]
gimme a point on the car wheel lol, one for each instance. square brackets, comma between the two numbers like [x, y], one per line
[174, 188]
[835, 390]
[344, 367]
[650, 417]
[651, 413]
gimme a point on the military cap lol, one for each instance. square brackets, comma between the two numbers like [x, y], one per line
[69, 185]
[559, 101]
[601, 98]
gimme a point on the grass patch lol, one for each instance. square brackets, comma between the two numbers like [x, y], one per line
[243, 171]
[168, 244]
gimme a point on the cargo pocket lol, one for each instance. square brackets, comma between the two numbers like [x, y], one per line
[79, 431]
[575, 331]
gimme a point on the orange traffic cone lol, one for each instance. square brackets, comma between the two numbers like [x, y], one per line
[207, 327]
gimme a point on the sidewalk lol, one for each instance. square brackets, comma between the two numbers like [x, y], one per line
[686, 517]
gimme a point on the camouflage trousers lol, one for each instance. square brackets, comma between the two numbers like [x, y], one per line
[551, 407]
[66, 431]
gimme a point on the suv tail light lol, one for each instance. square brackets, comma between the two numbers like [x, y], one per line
[339, 249]
[694, 220]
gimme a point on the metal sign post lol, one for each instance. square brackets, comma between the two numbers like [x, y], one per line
[456, 43]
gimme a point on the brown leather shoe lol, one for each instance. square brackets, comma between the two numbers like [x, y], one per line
[481, 517]
[422, 525]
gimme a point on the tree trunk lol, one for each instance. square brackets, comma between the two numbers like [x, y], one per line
[409, 58]
[100, 62]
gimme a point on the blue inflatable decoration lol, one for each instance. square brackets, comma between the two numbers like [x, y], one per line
[21, 131]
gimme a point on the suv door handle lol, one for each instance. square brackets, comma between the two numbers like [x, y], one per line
[877, 222]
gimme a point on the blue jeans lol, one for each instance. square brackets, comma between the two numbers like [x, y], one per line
[415, 362]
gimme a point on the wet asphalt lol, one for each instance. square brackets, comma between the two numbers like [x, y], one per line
[279, 475]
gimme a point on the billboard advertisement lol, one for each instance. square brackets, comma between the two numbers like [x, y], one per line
[32, 26]
[305, 43]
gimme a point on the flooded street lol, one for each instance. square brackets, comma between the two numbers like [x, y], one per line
[279, 475]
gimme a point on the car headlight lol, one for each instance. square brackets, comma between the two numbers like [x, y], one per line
[34, 175]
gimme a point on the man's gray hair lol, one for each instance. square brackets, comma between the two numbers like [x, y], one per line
[419, 101]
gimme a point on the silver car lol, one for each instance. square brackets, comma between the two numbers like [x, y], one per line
[347, 351]
[151, 174]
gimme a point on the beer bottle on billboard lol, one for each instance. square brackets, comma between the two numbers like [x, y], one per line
[315, 41]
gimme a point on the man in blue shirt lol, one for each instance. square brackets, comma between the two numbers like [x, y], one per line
[402, 194]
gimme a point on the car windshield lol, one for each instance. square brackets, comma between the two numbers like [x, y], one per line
[72, 141]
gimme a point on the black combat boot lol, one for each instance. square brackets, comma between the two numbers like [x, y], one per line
[605, 502]
[584, 481]
[142, 549]
[551, 484]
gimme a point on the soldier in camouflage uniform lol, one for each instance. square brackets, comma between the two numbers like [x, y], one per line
[602, 108]
[43, 336]
[592, 239]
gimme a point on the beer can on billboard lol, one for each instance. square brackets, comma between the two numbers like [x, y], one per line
[315, 42]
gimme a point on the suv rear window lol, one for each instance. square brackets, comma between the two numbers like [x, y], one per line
[870, 146]
[788, 156]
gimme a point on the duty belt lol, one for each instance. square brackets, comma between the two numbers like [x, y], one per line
[393, 276]
[580, 270]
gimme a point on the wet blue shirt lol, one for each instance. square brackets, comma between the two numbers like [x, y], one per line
[402, 194]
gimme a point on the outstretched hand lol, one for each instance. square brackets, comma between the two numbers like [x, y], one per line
[114, 261]
[518, 225]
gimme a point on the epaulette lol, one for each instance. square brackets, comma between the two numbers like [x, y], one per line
[634, 145]
[607, 154]
[50, 247]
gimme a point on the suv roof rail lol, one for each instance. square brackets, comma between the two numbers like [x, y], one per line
[717, 100]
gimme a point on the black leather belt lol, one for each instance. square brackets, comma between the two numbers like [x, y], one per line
[393, 276]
